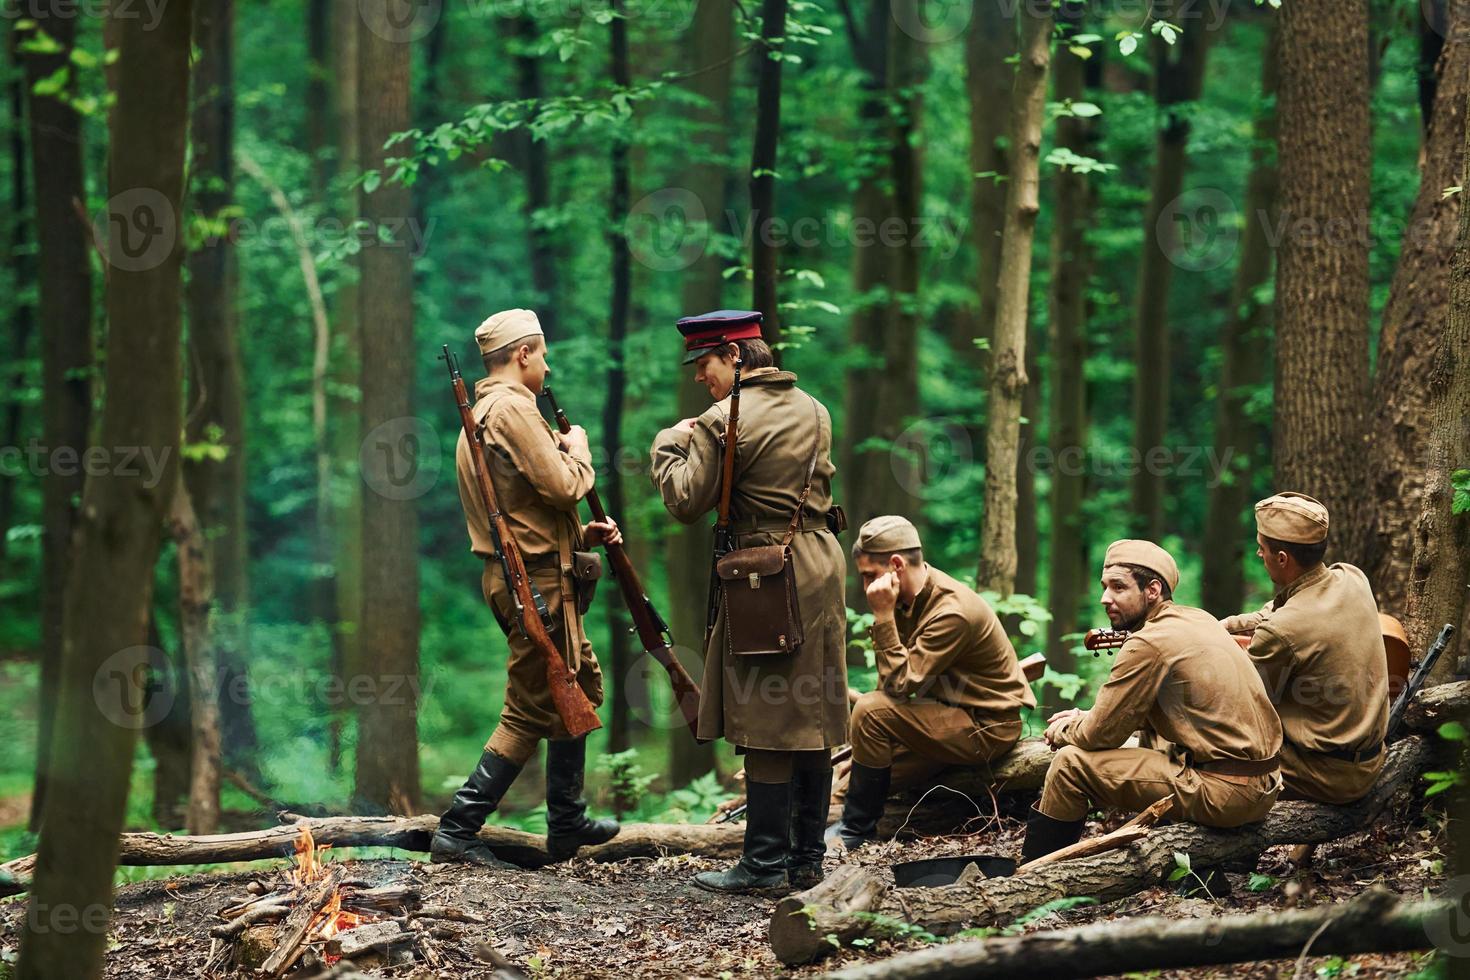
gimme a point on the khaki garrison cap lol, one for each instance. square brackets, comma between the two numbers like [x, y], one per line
[1145, 554]
[883, 535]
[506, 327]
[1292, 517]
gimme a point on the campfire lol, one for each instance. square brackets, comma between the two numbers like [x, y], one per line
[315, 916]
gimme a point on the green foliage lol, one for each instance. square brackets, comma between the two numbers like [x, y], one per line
[1460, 480]
[1260, 883]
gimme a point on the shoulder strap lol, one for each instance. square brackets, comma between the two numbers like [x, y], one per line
[811, 472]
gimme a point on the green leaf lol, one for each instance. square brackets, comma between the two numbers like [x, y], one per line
[1453, 731]
[41, 43]
[1085, 109]
[1260, 882]
[1128, 44]
[371, 181]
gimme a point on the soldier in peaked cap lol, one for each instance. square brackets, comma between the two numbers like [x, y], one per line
[950, 689]
[539, 476]
[785, 711]
[1319, 647]
[1180, 675]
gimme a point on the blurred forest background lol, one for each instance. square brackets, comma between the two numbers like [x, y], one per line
[602, 162]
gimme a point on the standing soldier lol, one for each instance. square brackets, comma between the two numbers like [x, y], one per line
[1319, 647]
[539, 477]
[1179, 675]
[950, 688]
[784, 710]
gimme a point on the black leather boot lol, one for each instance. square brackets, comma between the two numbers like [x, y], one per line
[567, 824]
[811, 798]
[455, 841]
[762, 868]
[1044, 835]
[867, 792]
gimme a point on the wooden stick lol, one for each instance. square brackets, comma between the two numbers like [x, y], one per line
[293, 932]
[1122, 837]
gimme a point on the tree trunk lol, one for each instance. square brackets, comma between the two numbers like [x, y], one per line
[879, 462]
[1321, 389]
[1415, 323]
[764, 250]
[318, 104]
[21, 271]
[170, 736]
[711, 44]
[1115, 874]
[1374, 921]
[537, 170]
[121, 517]
[1008, 380]
[1071, 260]
[989, 44]
[216, 410]
[196, 599]
[1441, 563]
[1178, 79]
[65, 273]
[619, 733]
[387, 728]
[1247, 327]
[346, 364]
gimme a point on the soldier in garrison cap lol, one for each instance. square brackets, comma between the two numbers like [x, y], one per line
[1182, 676]
[1319, 647]
[786, 711]
[950, 689]
[539, 476]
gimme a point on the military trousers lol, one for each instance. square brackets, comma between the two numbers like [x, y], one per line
[1079, 780]
[529, 714]
[919, 738]
[1312, 776]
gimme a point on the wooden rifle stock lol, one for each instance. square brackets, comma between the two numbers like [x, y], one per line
[652, 631]
[576, 711]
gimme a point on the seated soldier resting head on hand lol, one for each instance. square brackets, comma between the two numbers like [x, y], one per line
[950, 688]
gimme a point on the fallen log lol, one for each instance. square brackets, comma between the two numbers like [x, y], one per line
[1373, 922]
[1433, 706]
[1105, 877]
[407, 833]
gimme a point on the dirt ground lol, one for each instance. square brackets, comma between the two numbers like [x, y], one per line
[643, 918]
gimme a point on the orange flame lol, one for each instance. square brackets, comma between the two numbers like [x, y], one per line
[309, 863]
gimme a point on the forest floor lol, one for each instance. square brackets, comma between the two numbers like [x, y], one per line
[643, 918]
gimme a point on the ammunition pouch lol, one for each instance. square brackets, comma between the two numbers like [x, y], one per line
[585, 570]
[758, 595]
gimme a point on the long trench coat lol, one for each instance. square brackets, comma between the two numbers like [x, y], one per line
[781, 702]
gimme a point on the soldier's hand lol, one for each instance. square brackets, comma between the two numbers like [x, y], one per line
[575, 439]
[883, 595]
[602, 532]
[1057, 722]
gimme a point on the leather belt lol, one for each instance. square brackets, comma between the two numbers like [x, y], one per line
[1239, 767]
[1346, 755]
[535, 563]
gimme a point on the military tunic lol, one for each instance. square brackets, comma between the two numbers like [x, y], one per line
[778, 702]
[538, 487]
[1319, 648]
[1183, 677]
[950, 687]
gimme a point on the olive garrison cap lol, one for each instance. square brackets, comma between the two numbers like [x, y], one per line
[886, 534]
[707, 331]
[506, 327]
[1292, 517]
[1146, 554]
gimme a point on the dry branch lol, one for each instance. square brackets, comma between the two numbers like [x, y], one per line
[293, 932]
[1374, 921]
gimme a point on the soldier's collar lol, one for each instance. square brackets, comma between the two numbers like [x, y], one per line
[923, 595]
[1155, 612]
[484, 386]
[767, 376]
[1308, 579]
